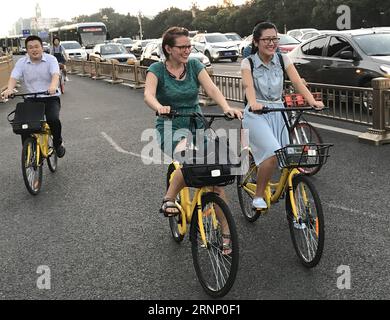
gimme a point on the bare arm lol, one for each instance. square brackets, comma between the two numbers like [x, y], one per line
[150, 94]
[55, 78]
[249, 88]
[10, 88]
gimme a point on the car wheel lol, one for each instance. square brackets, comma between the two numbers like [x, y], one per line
[208, 55]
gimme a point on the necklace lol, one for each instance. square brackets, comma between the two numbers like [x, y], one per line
[181, 75]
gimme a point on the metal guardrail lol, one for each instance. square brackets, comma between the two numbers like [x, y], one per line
[6, 66]
[366, 106]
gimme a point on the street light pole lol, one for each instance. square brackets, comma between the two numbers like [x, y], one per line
[140, 24]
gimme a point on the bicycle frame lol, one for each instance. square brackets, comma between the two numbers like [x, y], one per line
[188, 205]
[274, 191]
[42, 140]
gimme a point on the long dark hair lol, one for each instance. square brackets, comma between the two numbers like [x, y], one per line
[169, 37]
[258, 31]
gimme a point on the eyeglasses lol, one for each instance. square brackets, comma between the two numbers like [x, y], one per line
[268, 40]
[182, 48]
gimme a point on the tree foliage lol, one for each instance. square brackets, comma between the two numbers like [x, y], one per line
[286, 14]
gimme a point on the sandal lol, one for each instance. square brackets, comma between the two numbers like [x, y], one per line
[226, 244]
[169, 204]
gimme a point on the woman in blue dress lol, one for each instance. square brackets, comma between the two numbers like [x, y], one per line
[263, 87]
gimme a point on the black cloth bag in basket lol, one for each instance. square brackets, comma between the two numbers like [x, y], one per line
[29, 118]
[210, 162]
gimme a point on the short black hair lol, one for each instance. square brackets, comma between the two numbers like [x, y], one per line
[33, 38]
[56, 38]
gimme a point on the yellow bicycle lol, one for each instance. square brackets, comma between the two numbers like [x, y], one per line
[210, 220]
[302, 202]
[38, 146]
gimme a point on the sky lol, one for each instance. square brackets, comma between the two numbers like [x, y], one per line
[67, 9]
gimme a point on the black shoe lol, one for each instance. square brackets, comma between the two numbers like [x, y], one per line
[60, 151]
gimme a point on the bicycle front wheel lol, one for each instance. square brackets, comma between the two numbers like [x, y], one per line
[32, 171]
[308, 230]
[52, 159]
[304, 133]
[246, 187]
[216, 263]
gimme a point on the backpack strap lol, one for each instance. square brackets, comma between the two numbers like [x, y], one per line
[283, 69]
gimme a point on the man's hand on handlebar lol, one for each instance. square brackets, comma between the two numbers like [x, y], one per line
[7, 93]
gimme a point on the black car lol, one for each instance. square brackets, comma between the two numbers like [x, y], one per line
[350, 58]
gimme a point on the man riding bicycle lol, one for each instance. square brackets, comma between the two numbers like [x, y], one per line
[40, 72]
[58, 51]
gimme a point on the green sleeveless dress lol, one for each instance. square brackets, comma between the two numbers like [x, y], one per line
[182, 96]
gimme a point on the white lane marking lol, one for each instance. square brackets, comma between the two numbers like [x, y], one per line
[346, 131]
[119, 149]
[354, 211]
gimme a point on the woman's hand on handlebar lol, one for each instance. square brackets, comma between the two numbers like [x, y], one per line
[318, 105]
[256, 107]
[163, 110]
[233, 113]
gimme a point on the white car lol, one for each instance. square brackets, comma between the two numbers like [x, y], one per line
[234, 37]
[74, 50]
[215, 46]
[298, 33]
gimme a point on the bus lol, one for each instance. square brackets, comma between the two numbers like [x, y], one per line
[88, 34]
[13, 44]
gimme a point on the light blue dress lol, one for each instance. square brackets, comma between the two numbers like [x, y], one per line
[267, 132]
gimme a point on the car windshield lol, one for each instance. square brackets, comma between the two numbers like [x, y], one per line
[233, 37]
[286, 39]
[69, 46]
[113, 49]
[216, 38]
[377, 44]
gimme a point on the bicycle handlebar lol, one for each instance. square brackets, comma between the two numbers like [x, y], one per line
[29, 94]
[268, 110]
[174, 113]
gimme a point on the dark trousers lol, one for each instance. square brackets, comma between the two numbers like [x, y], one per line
[52, 112]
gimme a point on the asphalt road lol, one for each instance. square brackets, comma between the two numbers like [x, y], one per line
[96, 224]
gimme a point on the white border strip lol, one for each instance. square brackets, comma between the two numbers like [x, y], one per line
[330, 128]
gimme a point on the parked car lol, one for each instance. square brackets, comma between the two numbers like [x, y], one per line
[287, 43]
[138, 46]
[312, 34]
[126, 42]
[153, 53]
[215, 46]
[234, 37]
[244, 43]
[298, 33]
[74, 50]
[348, 58]
[46, 47]
[105, 52]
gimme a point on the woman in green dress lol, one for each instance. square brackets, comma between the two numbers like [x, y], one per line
[174, 85]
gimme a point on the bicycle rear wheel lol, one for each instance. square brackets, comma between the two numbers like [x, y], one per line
[32, 172]
[303, 133]
[215, 266]
[174, 221]
[308, 232]
[244, 197]
[52, 159]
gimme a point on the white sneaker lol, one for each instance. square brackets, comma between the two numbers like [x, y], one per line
[66, 78]
[259, 203]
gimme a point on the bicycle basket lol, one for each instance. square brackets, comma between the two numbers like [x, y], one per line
[210, 168]
[303, 155]
[29, 118]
